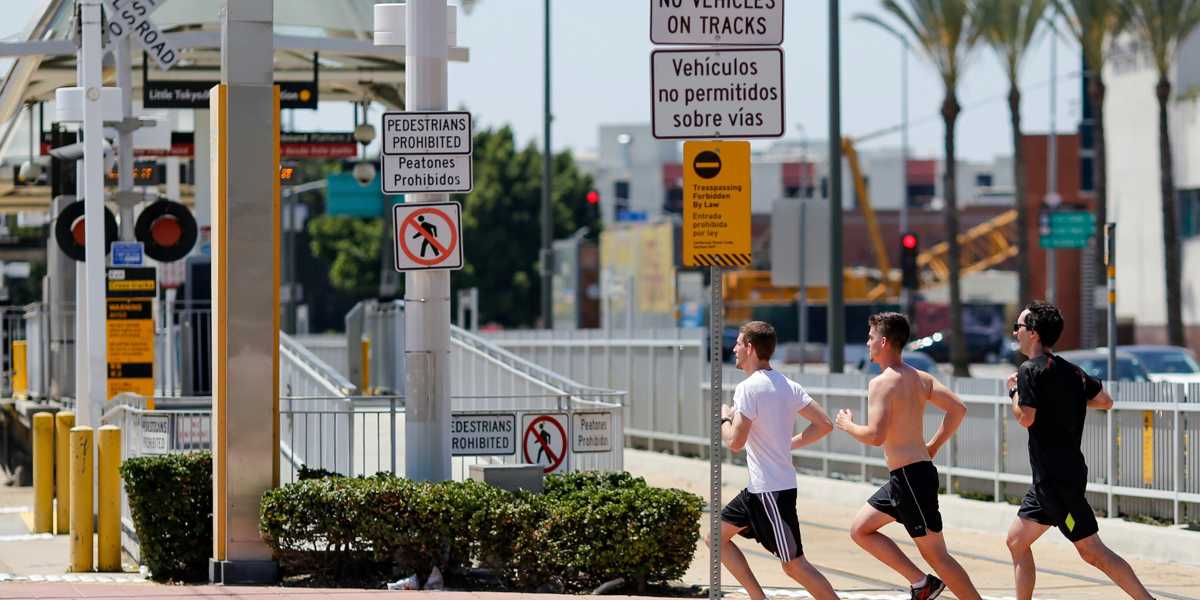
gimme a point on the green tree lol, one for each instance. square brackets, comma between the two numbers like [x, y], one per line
[1010, 28]
[351, 247]
[1095, 24]
[945, 32]
[501, 224]
[1163, 25]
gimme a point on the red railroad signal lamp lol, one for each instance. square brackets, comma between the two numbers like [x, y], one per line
[593, 197]
[909, 278]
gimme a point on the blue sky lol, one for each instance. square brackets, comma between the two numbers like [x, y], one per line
[600, 72]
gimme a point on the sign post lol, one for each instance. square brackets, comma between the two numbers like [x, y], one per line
[716, 93]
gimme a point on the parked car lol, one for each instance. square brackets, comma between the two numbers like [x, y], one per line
[1095, 363]
[1165, 363]
[918, 360]
[981, 347]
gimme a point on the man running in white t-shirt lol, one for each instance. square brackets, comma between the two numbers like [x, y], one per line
[762, 421]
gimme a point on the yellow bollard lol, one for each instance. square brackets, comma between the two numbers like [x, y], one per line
[108, 453]
[366, 367]
[43, 472]
[20, 367]
[64, 421]
[81, 499]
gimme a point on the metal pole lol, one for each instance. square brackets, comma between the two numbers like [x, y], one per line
[1052, 170]
[427, 293]
[1110, 261]
[93, 176]
[803, 312]
[547, 216]
[837, 334]
[125, 138]
[716, 324]
[905, 293]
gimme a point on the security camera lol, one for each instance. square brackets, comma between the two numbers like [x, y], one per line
[364, 173]
[364, 133]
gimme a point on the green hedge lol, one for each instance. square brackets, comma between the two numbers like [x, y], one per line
[586, 529]
[170, 496]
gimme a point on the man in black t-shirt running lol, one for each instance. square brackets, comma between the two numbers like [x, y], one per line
[1050, 398]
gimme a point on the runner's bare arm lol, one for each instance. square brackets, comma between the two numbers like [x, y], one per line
[819, 425]
[874, 433]
[951, 404]
[735, 434]
[1101, 401]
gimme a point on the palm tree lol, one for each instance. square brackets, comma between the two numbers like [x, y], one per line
[1162, 25]
[1095, 23]
[945, 34]
[1010, 28]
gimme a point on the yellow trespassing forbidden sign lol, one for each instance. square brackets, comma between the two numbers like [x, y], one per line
[716, 204]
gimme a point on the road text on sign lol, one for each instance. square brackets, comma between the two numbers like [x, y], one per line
[428, 236]
[716, 93]
[1066, 228]
[591, 432]
[756, 23]
[132, 17]
[474, 434]
[716, 204]
[544, 441]
[426, 152]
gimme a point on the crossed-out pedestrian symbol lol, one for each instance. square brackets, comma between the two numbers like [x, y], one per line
[437, 234]
[545, 443]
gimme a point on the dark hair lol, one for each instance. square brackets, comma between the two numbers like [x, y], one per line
[891, 325]
[1045, 320]
[760, 336]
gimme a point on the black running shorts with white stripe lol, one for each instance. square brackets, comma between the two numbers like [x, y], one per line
[770, 518]
[911, 498]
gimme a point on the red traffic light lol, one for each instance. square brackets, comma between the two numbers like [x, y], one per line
[593, 197]
[909, 241]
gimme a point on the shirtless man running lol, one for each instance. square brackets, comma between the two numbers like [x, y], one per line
[895, 409]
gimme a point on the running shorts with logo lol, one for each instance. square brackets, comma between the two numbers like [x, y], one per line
[770, 518]
[1060, 504]
[911, 497]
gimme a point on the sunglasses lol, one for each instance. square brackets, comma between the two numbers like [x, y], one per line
[1017, 327]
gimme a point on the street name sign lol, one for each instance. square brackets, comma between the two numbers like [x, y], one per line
[1066, 228]
[713, 93]
[703, 22]
[426, 152]
[716, 204]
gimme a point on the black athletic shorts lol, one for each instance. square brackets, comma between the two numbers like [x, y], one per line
[911, 497]
[770, 518]
[1061, 505]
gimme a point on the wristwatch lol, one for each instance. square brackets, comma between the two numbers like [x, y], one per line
[725, 420]
[1012, 392]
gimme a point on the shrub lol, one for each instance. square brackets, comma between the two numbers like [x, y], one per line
[170, 497]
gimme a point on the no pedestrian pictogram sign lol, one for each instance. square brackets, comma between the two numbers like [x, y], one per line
[545, 441]
[428, 236]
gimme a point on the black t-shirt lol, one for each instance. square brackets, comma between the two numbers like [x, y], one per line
[1059, 391]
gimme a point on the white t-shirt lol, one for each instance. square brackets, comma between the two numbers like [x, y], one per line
[771, 401]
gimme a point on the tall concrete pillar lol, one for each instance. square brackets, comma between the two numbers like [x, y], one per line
[244, 125]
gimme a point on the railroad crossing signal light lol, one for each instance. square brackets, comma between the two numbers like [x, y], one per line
[908, 261]
[593, 197]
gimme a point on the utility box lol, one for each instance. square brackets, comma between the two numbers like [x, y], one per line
[510, 477]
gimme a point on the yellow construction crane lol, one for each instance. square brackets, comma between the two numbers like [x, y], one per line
[981, 247]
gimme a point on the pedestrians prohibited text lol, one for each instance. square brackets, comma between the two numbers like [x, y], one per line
[591, 432]
[716, 204]
[716, 93]
[545, 442]
[426, 152]
[475, 434]
[428, 236]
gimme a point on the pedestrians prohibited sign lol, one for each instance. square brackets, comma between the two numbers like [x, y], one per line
[591, 432]
[545, 441]
[428, 236]
[716, 93]
[716, 24]
[716, 204]
[478, 434]
[426, 152]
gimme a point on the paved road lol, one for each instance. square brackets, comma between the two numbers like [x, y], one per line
[855, 574]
